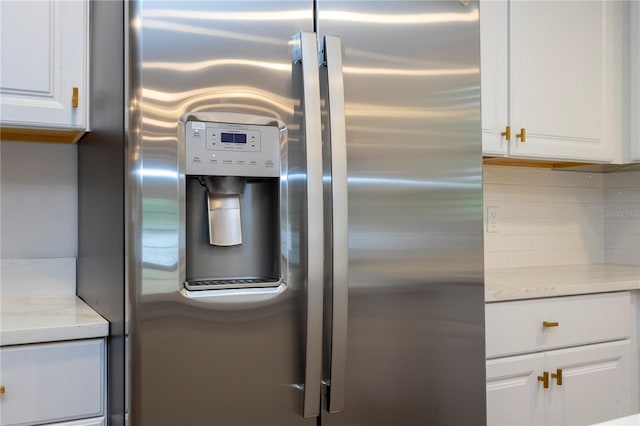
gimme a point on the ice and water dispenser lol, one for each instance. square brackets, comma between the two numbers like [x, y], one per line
[232, 165]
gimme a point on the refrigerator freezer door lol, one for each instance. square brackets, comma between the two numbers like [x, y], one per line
[230, 360]
[415, 351]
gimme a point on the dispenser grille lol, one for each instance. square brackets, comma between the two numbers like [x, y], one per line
[219, 284]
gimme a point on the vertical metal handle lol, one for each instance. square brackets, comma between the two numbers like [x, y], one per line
[305, 52]
[74, 97]
[558, 376]
[506, 133]
[522, 135]
[544, 379]
[332, 51]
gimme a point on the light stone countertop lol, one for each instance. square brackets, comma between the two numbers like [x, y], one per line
[47, 319]
[632, 420]
[549, 281]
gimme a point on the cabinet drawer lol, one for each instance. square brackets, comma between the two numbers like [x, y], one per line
[517, 327]
[52, 382]
[96, 421]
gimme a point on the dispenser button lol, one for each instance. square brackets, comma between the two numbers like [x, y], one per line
[268, 164]
[213, 139]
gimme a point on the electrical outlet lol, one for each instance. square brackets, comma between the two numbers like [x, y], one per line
[494, 219]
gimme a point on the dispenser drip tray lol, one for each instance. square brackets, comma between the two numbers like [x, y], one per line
[220, 284]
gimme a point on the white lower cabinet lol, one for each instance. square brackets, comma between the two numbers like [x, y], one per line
[513, 394]
[53, 382]
[586, 385]
[595, 384]
[97, 421]
[574, 362]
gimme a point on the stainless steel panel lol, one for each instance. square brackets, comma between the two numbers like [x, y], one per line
[234, 360]
[101, 199]
[415, 354]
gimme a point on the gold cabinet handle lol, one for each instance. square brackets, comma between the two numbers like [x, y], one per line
[506, 133]
[522, 135]
[549, 324]
[544, 379]
[1, 389]
[74, 97]
[558, 376]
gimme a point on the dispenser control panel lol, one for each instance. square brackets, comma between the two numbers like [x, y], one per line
[232, 149]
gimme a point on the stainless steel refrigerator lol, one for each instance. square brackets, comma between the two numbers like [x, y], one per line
[281, 212]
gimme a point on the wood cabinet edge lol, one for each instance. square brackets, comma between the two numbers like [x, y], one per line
[40, 135]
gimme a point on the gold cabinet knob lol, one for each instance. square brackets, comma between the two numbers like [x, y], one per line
[558, 376]
[1, 389]
[544, 379]
[506, 133]
[522, 135]
[549, 324]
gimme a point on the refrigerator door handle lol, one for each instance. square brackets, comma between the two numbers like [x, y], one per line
[332, 50]
[305, 53]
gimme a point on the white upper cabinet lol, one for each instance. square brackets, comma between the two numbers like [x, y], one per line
[559, 63]
[494, 75]
[635, 80]
[44, 60]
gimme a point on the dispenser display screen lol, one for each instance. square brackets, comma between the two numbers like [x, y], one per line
[233, 137]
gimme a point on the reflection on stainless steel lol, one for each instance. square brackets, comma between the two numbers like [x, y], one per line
[404, 146]
[416, 297]
[399, 112]
[244, 16]
[202, 31]
[337, 216]
[412, 73]
[305, 53]
[399, 19]
[204, 350]
[199, 66]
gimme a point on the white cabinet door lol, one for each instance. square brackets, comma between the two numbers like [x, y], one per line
[43, 57]
[494, 74]
[635, 80]
[595, 384]
[562, 62]
[52, 382]
[514, 394]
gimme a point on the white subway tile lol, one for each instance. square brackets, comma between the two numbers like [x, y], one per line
[553, 217]
[493, 260]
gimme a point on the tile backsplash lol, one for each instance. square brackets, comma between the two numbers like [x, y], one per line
[544, 217]
[547, 217]
[622, 218]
